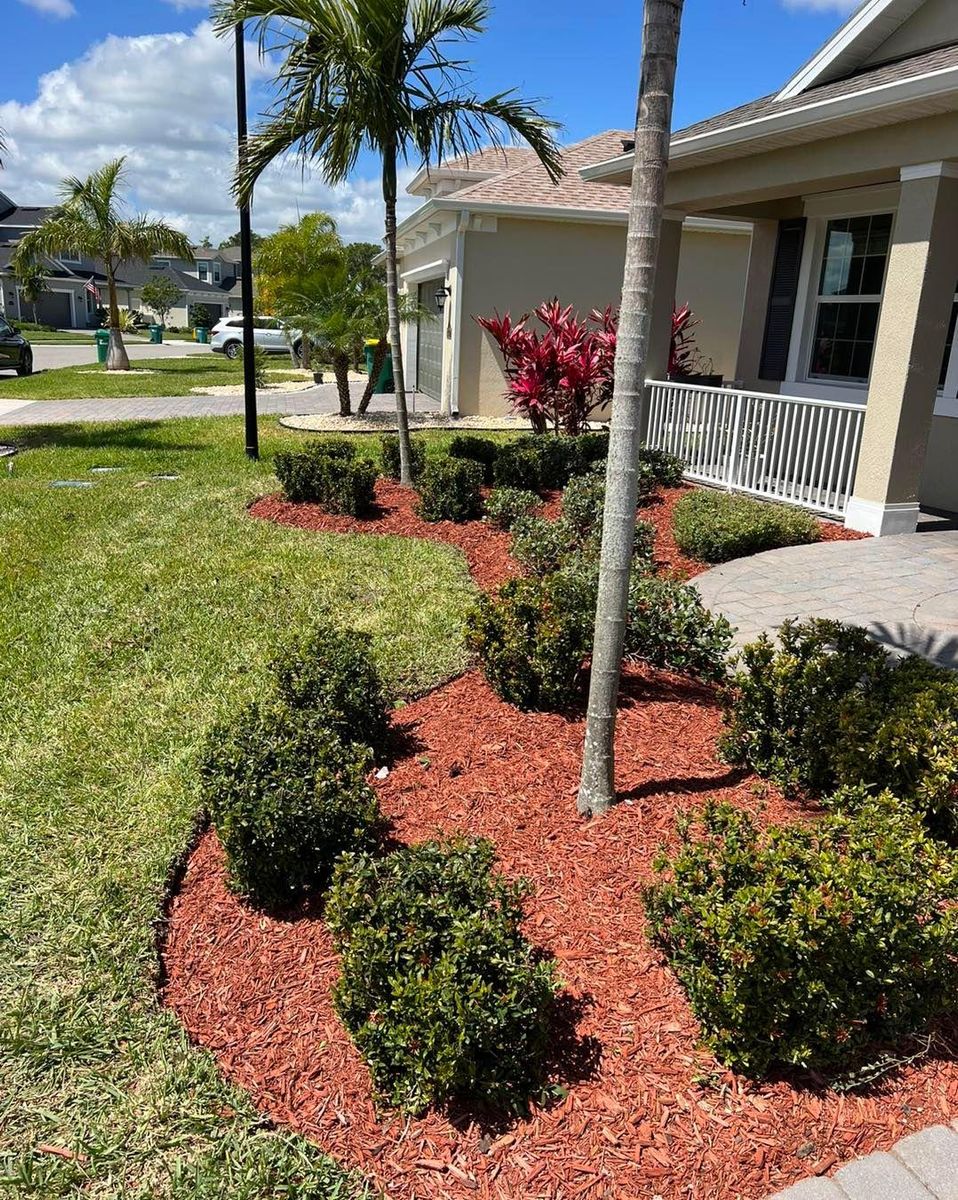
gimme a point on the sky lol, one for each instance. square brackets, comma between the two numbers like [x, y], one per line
[88, 80]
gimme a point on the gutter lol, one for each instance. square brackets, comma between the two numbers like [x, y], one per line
[458, 288]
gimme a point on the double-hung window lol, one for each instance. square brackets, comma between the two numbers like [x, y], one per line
[203, 270]
[849, 297]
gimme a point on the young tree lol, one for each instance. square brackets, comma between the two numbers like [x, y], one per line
[660, 41]
[89, 220]
[376, 74]
[32, 283]
[160, 295]
[234, 240]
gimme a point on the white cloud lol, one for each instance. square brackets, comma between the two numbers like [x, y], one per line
[822, 6]
[182, 5]
[167, 101]
[52, 8]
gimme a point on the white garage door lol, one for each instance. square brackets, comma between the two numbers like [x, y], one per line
[429, 357]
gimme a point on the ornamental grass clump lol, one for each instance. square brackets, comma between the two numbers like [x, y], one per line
[389, 445]
[717, 526]
[824, 946]
[440, 991]
[329, 473]
[451, 490]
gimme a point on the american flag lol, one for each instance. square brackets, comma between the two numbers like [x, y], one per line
[93, 289]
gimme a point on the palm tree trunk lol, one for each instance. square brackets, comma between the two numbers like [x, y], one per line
[117, 358]
[392, 306]
[341, 371]
[660, 41]
[379, 357]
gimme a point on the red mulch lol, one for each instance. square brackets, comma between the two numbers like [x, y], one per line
[639, 1123]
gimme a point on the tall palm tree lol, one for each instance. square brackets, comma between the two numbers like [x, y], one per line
[89, 221]
[375, 75]
[660, 43]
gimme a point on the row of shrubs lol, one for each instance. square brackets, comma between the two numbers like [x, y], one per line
[439, 989]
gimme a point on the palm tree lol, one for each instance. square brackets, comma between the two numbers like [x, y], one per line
[660, 43]
[375, 75]
[31, 280]
[89, 221]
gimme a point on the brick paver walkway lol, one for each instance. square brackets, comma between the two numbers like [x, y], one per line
[904, 590]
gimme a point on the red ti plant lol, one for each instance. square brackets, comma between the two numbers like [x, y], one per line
[559, 377]
[684, 357]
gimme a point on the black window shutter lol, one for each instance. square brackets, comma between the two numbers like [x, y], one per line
[782, 298]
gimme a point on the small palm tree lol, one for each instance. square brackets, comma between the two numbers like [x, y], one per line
[89, 221]
[31, 280]
[375, 75]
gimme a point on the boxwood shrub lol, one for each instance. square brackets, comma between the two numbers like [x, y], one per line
[450, 490]
[329, 473]
[820, 945]
[389, 445]
[717, 526]
[476, 449]
[440, 991]
[331, 673]
[506, 505]
[828, 707]
[286, 797]
[661, 468]
[669, 626]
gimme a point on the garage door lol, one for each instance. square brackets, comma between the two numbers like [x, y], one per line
[429, 358]
[53, 308]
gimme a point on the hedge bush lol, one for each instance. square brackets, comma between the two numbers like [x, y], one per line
[440, 991]
[389, 444]
[717, 526]
[661, 468]
[543, 462]
[476, 449]
[670, 627]
[328, 473]
[450, 490]
[531, 640]
[814, 945]
[829, 707]
[331, 673]
[286, 797]
[506, 505]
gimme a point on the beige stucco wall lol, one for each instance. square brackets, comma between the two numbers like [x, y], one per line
[939, 481]
[527, 261]
[932, 25]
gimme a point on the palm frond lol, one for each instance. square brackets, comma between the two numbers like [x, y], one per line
[448, 128]
[139, 239]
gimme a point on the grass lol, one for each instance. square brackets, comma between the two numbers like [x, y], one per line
[130, 617]
[169, 377]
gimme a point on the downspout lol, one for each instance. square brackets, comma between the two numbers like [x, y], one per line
[457, 288]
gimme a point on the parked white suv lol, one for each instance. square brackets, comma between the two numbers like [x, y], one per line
[269, 334]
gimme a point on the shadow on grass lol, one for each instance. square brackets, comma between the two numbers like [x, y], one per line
[123, 435]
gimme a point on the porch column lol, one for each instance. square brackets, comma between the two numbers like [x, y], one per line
[758, 282]
[919, 293]
[666, 279]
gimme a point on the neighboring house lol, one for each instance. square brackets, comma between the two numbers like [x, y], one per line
[496, 234]
[849, 175]
[211, 280]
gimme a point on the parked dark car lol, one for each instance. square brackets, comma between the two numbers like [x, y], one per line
[16, 354]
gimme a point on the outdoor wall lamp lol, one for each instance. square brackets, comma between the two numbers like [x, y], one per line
[442, 295]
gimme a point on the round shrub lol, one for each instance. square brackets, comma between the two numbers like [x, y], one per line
[506, 505]
[815, 945]
[662, 469]
[583, 504]
[717, 526]
[450, 490]
[440, 991]
[532, 639]
[477, 449]
[286, 797]
[328, 473]
[670, 627]
[389, 445]
[331, 673]
[541, 462]
[541, 545]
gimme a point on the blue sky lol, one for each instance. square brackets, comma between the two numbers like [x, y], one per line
[115, 84]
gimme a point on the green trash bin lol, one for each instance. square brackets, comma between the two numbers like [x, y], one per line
[102, 339]
[385, 382]
[202, 335]
[156, 335]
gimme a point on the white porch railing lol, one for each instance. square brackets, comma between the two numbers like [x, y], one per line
[792, 449]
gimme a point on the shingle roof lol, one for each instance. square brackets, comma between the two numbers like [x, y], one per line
[136, 274]
[861, 81]
[529, 184]
[492, 158]
[21, 215]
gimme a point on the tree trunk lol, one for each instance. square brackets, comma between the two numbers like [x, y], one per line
[660, 41]
[341, 371]
[392, 305]
[117, 358]
[379, 357]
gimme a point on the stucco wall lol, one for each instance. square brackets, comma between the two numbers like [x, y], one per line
[939, 481]
[712, 271]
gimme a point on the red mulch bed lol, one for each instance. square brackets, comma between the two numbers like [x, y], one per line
[639, 1122]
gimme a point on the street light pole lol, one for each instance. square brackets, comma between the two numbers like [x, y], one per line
[246, 256]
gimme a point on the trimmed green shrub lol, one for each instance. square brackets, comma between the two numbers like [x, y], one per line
[331, 673]
[450, 490]
[591, 449]
[330, 474]
[541, 545]
[477, 449]
[441, 993]
[663, 469]
[717, 526]
[670, 627]
[390, 453]
[830, 708]
[506, 505]
[583, 504]
[286, 797]
[532, 639]
[812, 945]
[540, 463]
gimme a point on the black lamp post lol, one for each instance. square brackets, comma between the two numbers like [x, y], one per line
[246, 256]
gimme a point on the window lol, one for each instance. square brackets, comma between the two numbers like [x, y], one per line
[849, 297]
[70, 256]
[162, 262]
[216, 272]
[203, 270]
[949, 347]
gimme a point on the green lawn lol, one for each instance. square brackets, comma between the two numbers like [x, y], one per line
[130, 617]
[167, 377]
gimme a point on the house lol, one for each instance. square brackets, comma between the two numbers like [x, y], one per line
[494, 233]
[847, 354]
[211, 280]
